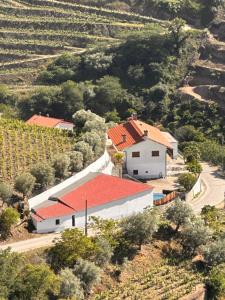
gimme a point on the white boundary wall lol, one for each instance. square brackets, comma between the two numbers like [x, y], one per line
[197, 188]
[103, 165]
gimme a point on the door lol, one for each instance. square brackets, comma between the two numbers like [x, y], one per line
[73, 221]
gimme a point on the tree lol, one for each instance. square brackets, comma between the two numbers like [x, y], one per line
[191, 153]
[8, 218]
[44, 174]
[70, 286]
[93, 139]
[24, 184]
[194, 167]
[86, 150]
[216, 282]
[214, 253]
[188, 133]
[187, 180]
[60, 164]
[37, 282]
[12, 265]
[103, 251]
[76, 161]
[180, 213]
[213, 217]
[72, 245]
[179, 35]
[87, 272]
[139, 228]
[194, 234]
[6, 192]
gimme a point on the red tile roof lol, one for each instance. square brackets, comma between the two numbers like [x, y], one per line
[45, 121]
[100, 190]
[134, 131]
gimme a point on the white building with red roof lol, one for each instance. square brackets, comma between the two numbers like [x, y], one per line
[96, 194]
[145, 148]
[47, 121]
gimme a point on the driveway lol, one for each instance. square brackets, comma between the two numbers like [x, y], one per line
[46, 240]
[214, 189]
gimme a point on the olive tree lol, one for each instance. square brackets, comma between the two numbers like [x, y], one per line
[214, 253]
[216, 282]
[87, 272]
[6, 192]
[103, 251]
[194, 235]
[180, 213]
[94, 140]
[76, 161]
[70, 285]
[139, 228]
[8, 218]
[60, 164]
[187, 181]
[86, 150]
[44, 174]
[24, 184]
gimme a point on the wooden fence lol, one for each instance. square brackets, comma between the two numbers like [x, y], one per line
[168, 198]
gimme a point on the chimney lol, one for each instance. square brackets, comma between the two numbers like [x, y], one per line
[145, 132]
[124, 138]
[47, 115]
[39, 113]
[134, 116]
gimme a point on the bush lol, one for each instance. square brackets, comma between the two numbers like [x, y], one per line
[8, 218]
[44, 174]
[103, 252]
[88, 273]
[86, 150]
[61, 164]
[187, 181]
[24, 184]
[194, 167]
[216, 282]
[72, 245]
[70, 286]
[191, 153]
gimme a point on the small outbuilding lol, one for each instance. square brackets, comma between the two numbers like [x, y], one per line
[46, 121]
[97, 195]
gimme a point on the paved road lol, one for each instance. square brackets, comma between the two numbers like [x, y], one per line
[214, 188]
[31, 244]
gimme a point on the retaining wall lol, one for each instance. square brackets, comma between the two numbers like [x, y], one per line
[197, 188]
[102, 165]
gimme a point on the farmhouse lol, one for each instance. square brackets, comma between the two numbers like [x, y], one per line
[96, 194]
[46, 121]
[145, 148]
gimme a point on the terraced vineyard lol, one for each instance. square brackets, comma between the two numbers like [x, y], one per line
[22, 146]
[161, 282]
[33, 32]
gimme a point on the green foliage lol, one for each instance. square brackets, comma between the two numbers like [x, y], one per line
[76, 161]
[216, 282]
[44, 174]
[6, 192]
[70, 286]
[86, 151]
[24, 183]
[187, 181]
[103, 252]
[72, 246]
[180, 214]
[194, 167]
[214, 218]
[138, 229]
[88, 273]
[194, 235]
[37, 282]
[8, 218]
[61, 164]
[188, 133]
[191, 153]
[214, 253]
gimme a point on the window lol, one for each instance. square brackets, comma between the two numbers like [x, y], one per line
[155, 153]
[135, 172]
[57, 222]
[135, 154]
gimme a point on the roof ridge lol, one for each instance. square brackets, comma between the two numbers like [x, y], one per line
[136, 128]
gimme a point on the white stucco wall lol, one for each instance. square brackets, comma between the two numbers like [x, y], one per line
[114, 210]
[66, 126]
[197, 188]
[103, 165]
[147, 165]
